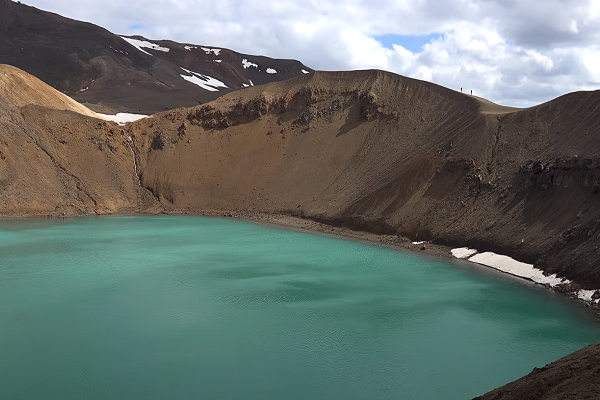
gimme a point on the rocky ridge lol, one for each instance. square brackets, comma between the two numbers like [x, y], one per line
[113, 73]
[392, 155]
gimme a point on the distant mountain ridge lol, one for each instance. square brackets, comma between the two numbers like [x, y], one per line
[104, 70]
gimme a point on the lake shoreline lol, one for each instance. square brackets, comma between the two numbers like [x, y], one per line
[423, 248]
[297, 223]
[145, 298]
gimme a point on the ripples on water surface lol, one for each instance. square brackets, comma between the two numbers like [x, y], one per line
[190, 308]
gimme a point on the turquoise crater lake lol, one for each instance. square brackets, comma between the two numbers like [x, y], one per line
[180, 307]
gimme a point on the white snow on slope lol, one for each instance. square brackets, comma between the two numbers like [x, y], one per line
[523, 270]
[123, 118]
[463, 252]
[517, 268]
[418, 242]
[138, 44]
[586, 295]
[190, 48]
[271, 71]
[305, 71]
[247, 64]
[209, 50]
[204, 81]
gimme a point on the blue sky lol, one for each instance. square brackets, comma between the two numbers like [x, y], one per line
[413, 43]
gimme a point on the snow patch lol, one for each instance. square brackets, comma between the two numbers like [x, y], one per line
[140, 44]
[218, 61]
[123, 118]
[244, 85]
[190, 48]
[305, 71]
[251, 84]
[586, 295]
[84, 89]
[463, 252]
[271, 71]
[208, 50]
[204, 81]
[247, 64]
[517, 268]
[418, 242]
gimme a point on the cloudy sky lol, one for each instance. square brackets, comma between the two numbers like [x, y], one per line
[513, 52]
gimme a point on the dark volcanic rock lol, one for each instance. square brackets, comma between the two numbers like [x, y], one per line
[576, 376]
[95, 66]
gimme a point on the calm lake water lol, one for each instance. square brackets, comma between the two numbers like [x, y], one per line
[204, 308]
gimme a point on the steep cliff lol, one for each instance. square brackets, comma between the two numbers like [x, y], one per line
[376, 151]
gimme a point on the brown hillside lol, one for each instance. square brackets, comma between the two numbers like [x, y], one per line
[368, 150]
[20, 89]
[376, 151]
[55, 159]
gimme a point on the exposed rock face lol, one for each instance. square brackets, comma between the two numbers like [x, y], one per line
[376, 151]
[57, 159]
[98, 67]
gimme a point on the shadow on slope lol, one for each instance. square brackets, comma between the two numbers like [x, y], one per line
[376, 151]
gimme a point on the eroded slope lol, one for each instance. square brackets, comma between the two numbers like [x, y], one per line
[56, 158]
[377, 151]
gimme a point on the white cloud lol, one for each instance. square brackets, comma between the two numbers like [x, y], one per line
[512, 52]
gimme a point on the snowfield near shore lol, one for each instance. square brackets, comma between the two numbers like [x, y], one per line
[463, 252]
[517, 268]
[123, 118]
